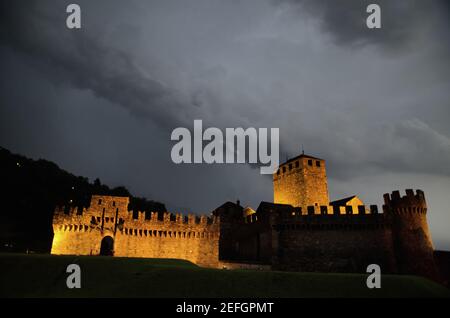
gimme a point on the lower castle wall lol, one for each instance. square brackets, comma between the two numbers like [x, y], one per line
[194, 240]
[203, 249]
[249, 242]
[69, 241]
[277, 237]
[334, 250]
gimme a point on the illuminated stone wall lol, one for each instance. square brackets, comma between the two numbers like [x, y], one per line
[171, 236]
[193, 239]
[311, 238]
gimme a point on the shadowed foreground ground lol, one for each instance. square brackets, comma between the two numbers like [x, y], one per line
[45, 276]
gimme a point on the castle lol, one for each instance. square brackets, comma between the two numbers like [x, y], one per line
[300, 231]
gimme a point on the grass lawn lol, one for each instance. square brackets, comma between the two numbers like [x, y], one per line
[45, 276]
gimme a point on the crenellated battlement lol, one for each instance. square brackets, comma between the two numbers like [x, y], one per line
[112, 212]
[70, 219]
[318, 212]
[410, 203]
[409, 197]
[325, 210]
[323, 218]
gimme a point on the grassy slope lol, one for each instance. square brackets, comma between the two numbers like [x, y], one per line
[45, 276]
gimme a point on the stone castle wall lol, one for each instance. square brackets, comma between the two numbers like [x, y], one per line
[322, 239]
[135, 234]
[333, 243]
[193, 239]
[282, 237]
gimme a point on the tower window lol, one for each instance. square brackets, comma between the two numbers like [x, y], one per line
[297, 164]
[99, 201]
[318, 163]
[278, 172]
[114, 203]
[284, 169]
[290, 166]
[310, 162]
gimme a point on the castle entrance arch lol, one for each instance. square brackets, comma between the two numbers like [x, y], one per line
[107, 246]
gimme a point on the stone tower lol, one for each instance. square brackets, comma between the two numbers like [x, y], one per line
[300, 182]
[412, 239]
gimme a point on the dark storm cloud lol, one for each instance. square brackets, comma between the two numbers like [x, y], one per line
[269, 66]
[81, 59]
[402, 20]
[400, 141]
[405, 146]
[373, 103]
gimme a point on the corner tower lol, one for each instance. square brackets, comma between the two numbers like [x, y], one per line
[301, 181]
[412, 238]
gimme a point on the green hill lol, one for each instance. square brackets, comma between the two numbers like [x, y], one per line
[45, 276]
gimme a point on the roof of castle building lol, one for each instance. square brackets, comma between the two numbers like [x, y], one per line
[301, 156]
[228, 209]
[343, 201]
[270, 205]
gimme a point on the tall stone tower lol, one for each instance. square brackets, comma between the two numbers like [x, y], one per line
[301, 181]
[412, 238]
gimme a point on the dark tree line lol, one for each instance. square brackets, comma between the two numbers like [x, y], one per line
[33, 188]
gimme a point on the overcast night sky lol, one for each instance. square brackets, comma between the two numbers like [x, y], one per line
[102, 101]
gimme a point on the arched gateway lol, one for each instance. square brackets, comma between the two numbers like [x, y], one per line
[107, 246]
